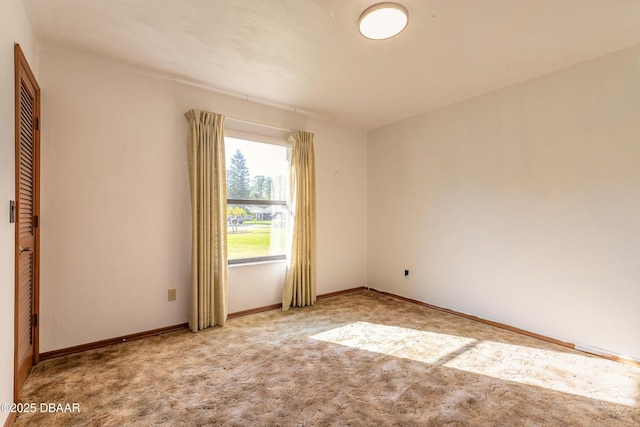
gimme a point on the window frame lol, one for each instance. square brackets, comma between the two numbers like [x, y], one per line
[259, 139]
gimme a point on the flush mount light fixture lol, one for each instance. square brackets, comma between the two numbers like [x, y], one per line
[382, 21]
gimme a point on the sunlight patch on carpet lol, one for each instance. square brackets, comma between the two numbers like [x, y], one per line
[565, 372]
[422, 346]
[577, 374]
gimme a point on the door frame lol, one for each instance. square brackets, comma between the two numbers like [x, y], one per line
[23, 72]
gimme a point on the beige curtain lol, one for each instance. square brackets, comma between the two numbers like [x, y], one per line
[207, 177]
[300, 283]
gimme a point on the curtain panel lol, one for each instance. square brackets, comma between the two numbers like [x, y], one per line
[300, 283]
[207, 179]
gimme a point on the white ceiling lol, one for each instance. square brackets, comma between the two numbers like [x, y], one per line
[308, 53]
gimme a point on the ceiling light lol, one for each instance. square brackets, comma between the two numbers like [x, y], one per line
[383, 20]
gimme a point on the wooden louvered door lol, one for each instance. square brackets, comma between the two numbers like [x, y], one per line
[27, 218]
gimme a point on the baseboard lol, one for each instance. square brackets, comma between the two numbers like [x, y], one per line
[254, 310]
[478, 319]
[342, 292]
[581, 348]
[111, 341]
[10, 419]
[104, 343]
[279, 305]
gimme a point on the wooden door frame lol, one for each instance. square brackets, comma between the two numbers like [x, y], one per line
[23, 72]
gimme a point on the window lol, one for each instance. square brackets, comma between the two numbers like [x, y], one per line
[257, 187]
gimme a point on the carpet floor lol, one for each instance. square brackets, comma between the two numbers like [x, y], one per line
[361, 359]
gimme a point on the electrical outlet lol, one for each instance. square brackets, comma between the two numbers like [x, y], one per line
[406, 273]
[172, 294]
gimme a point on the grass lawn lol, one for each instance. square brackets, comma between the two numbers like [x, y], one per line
[251, 240]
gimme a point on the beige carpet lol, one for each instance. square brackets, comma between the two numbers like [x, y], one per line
[361, 359]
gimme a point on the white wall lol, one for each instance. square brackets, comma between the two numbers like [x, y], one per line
[14, 28]
[521, 205]
[115, 229]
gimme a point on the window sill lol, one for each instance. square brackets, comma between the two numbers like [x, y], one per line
[250, 263]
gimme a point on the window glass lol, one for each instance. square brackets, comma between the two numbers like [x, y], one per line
[257, 214]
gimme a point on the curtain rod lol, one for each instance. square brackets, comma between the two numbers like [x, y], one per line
[259, 124]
